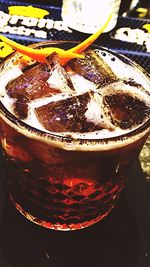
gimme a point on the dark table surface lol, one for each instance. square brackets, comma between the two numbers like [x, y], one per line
[122, 239]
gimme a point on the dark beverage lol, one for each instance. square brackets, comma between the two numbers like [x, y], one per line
[70, 134]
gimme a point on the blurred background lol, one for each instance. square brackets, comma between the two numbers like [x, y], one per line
[128, 7]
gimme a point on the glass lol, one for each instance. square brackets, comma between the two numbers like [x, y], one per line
[66, 183]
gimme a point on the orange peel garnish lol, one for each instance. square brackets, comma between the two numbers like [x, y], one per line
[40, 55]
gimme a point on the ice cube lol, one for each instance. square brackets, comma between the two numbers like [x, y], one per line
[68, 115]
[31, 84]
[60, 79]
[95, 112]
[20, 107]
[94, 69]
[125, 107]
[80, 84]
[37, 82]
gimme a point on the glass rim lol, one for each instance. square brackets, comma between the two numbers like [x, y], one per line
[67, 137]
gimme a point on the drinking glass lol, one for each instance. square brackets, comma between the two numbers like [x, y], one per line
[61, 182]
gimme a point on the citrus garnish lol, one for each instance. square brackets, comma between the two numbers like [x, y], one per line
[39, 55]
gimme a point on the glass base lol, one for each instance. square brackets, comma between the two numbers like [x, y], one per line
[58, 226]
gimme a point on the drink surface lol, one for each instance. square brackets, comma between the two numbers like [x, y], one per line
[100, 96]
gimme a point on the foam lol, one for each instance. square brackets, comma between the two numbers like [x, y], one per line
[124, 71]
[81, 84]
[5, 76]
